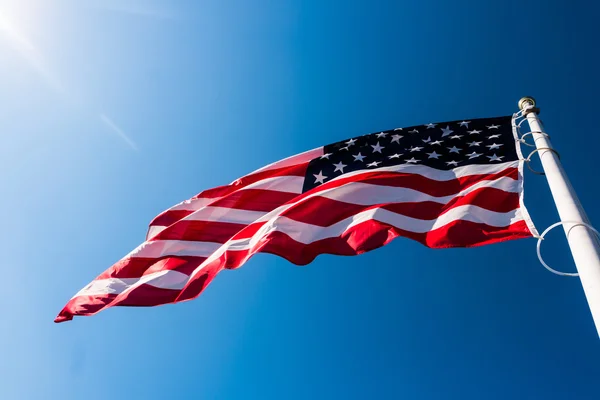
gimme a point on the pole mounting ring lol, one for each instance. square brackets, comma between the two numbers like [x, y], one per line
[548, 229]
[523, 136]
[528, 159]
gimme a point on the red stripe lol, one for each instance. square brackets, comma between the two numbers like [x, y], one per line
[136, 267]
[315, 210]
[359, 239]
[417, 182]
[142, 296]
[248, 199]
[267, 200]
[373, 234]
[168, 217]
[84, 305]
[293, 170]
[309, 211]
[147, 296]
[364, 237]
[255, 200]
[202, 231]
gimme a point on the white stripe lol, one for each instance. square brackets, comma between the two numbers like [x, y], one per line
[186, 205]
[163, 279]
[308, 233]
[193, 204]
[437, 174]
[288, 184]
[377, 192]
[154, 230]
[161, 248]
[483, 216]
[300, 232]
[413, 169]
[223, 214]
[293, 184]
[355, 193]
[371, 194]
[293, 160]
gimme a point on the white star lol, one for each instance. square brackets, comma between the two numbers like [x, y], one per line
[465, 123]
[427, 140]
[381, 134]
[437, 142]
[434, 155]
[429, 126]
[474, 144]
[398, 129]
[412, 160]
[495, 157]
[344, 148]
[473, 155]
[350, 142]
[415, 149]
[339, 167]
[455, 163]
[325, 156]
[320, 178]
[493, 136]
[377, 148]
[446, 131]
[456, 137]
[396, 138]
[494, 146]
[413, 131]
[474, 132]
[374, 164]
[395, 156]
[454, 149]
[358, 157]
[493, 126]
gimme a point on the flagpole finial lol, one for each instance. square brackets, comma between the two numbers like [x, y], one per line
[526, 101]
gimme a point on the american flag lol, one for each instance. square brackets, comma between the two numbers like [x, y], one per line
[451, 184]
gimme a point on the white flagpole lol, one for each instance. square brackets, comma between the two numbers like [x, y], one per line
[583, 242]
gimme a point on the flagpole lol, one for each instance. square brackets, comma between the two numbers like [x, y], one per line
[583, 242]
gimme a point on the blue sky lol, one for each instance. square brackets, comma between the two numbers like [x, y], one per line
[112, 111]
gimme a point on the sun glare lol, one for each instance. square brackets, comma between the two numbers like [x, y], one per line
[20, 15]
[19, 22]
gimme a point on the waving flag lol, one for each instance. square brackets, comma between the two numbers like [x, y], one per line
[452, 184]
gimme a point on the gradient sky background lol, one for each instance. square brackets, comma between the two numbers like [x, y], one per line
[112, 111]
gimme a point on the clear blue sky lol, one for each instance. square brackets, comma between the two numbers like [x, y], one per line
[112, 111]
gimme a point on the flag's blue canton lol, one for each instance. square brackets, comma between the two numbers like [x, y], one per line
[438, 145]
